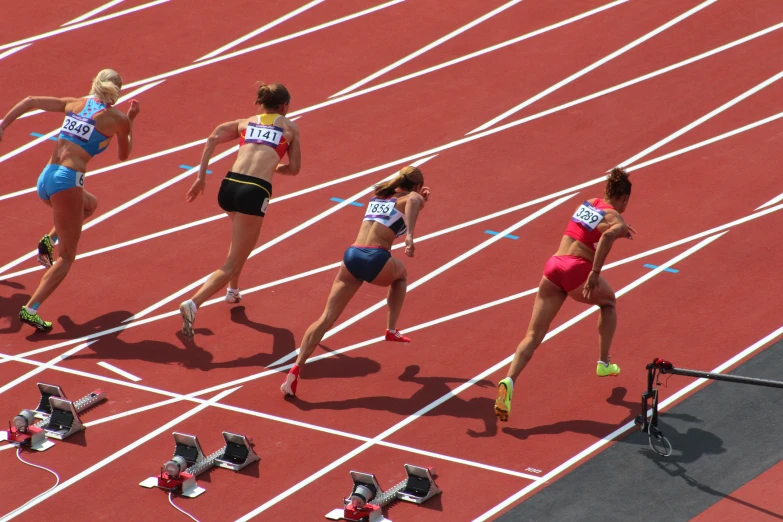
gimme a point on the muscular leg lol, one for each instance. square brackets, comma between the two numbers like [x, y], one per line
[245, 230]
[90, 205]
[67, 207]
[343, 289]
[602, 296]
[549, 299]
[395, 276]
[244, 234]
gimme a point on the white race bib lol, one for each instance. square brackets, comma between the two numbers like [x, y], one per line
[588, 216]
[78, 126]
[380, 208]
[263, 134]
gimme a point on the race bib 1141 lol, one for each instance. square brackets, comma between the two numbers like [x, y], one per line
[263, 134]
[78, 126]
[380, 208]
[588, 216]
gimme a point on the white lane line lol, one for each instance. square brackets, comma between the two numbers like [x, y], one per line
[559, 108]
[455, 227]
[270, 243]
[126, 205]
[13, 50]
[119, 371]
[119, 245]
[269, 43]
[469, 56]
[776, 199]
[593, 66]
[126, 163]
[426, 409]
[427, 47]
[173, 313]
[82, 24]
[607, 439]
[178, 398]
[478, 248]
[37, 141]
[94, 12]
[425, 71]
[44, 366]
[127, 449]
[260, 30]
[704, 118]
[250, 49]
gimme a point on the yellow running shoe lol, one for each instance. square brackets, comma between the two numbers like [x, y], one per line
[46, 251]
[503, 402]
[610, 370]
[34, 320]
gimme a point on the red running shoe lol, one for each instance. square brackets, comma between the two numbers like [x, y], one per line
[291, 381]
[396, 337]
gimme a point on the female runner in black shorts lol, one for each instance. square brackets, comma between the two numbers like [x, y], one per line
[246, 190]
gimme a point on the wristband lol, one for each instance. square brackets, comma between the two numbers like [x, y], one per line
[599, 273]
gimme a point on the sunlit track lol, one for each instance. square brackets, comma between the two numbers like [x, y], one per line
[702, 140]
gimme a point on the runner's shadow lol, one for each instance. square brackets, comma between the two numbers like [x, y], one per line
[111, 348]
[479, 408]
[71, 330]
[9, 312]
[595, 428]
[17, 286]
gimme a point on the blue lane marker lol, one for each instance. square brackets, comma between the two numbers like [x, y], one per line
[354, 203]
[188, 167]
[672, 270]
[493, 233]
[37, 135]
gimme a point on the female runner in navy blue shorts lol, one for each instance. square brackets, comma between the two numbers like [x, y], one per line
[391, 213]
[86, 131]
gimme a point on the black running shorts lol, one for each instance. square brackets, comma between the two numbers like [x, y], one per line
[244, 194]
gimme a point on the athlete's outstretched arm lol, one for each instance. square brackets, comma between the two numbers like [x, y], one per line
[413, 205]
[46, 103]
[125, 135]
[224, 132]
[294, 156]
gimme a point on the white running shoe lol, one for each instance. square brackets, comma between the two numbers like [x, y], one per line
[233, 297]
[188, 311]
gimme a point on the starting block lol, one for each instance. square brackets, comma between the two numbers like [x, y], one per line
[59, 418]
[367, 499]
[179, 473]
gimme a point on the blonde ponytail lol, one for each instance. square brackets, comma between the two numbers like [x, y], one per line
[106, 86]
[406, 179]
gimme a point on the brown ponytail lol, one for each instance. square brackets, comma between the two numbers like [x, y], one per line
[406, 179]
[272, 96]
[617, 183]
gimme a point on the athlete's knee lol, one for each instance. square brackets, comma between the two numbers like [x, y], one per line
[608, 302]
[67, 257]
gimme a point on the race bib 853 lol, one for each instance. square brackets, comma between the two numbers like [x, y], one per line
[263, 134]
[78, 126]
[380, 208]
[588, 216]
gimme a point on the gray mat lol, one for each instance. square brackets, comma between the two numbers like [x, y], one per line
[723, 436]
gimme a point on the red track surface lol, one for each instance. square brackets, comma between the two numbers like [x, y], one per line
[364, 392]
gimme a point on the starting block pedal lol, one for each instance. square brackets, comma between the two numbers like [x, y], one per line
[60, 418]
[179, 473]
[367, 499]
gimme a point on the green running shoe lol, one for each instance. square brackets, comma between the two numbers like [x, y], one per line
[34, 320]
[611, 370]
[503, 402]
[46, 251]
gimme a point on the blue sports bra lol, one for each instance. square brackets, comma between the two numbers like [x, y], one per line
[80, 128]
[384, 212]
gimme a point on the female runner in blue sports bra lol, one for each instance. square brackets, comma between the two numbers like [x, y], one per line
[391, 213]
[87, 130]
